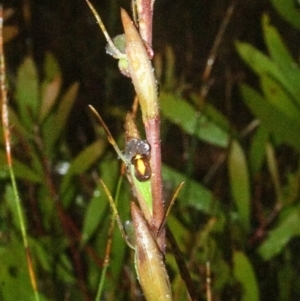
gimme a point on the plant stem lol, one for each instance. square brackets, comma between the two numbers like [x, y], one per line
[152, 128]
[145, 16]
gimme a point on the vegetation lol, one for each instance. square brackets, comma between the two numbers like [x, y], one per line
[233, 230]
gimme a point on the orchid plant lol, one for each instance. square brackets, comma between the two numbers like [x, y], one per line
[142, 157]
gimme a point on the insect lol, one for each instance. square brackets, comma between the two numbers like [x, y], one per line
[137, 151]
[149, 262]
[136, 158]
[141, 167]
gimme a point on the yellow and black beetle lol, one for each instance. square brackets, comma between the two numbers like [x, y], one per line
[137, 152]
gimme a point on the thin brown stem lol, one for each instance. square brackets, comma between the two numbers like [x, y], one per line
[217, 42]
[68, 226]
[7, 141]
[152, 128]
[145, 16]
[184, 270]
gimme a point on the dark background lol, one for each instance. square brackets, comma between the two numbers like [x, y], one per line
[68, 29]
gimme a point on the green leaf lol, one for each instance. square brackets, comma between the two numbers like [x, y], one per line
[278, 238]
[280, 55]
[65, 106]
[277, 49]
[262, 64]
[50, 86]
[21, 170]
[51, 67]
[239, 183]
[14, 276]
[273, 170]
[41, 253]
[286, 276]
[87, 158]
[288, 11]
[258, 149]
[56, 123]
[258, 61]
[119, 247]
[64, 269]
[11, 202]
[213, 114]
[27, 92]
[218, 118]
[192, 193]
[178, 111]
[282, 127]
[34, 165]
[93, 216]
[278, 97]
[170, 64]
[50, 93]
[244, 273]
[18, 125]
